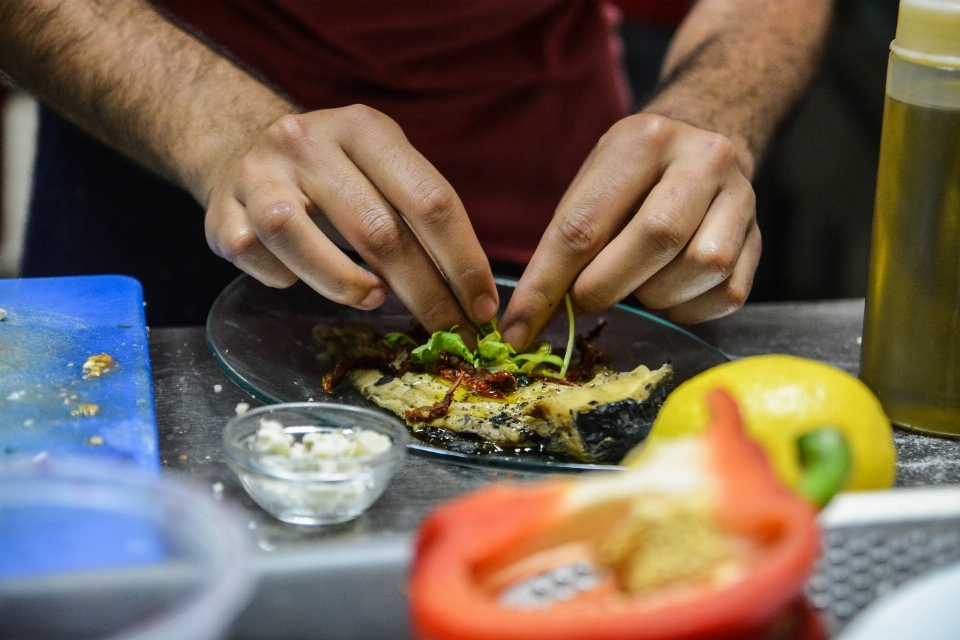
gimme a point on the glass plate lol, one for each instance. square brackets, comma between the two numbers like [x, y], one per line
[262, 338]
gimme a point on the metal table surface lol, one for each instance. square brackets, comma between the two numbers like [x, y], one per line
[346, 581]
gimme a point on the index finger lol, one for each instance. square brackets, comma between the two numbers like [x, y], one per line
[616, 176]
[434, 212]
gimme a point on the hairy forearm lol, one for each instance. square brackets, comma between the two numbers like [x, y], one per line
[738, 67]
[125, 74]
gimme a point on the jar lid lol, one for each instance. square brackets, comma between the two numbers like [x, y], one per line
[928, 32]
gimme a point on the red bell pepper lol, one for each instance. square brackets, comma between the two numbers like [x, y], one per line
[472, 549]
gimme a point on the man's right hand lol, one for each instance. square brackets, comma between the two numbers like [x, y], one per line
[353, 170]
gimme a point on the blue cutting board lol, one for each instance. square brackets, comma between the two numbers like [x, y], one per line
[52, 326]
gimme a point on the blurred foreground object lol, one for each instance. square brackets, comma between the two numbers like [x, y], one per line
[697, 540]
[93, 548]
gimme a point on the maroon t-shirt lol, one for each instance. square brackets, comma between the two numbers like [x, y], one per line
[505, 97]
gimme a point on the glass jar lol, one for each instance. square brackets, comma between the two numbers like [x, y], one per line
[910, 355]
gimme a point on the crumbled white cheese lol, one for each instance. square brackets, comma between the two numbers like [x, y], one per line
[217, 388]
[271, 438]
[242, 408]
[327, 444]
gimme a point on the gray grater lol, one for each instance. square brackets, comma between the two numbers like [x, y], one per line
[876, 541]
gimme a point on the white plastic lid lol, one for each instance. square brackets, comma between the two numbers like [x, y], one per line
[928, 32]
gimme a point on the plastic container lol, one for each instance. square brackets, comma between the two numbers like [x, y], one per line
[910, 354]
[331, 488]
[96, 549]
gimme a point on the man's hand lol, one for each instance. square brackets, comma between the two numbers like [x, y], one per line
[141, 84]
[663, 207]
[660, 209]
[354, 170]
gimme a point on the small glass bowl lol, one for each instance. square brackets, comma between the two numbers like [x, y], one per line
[308, 490]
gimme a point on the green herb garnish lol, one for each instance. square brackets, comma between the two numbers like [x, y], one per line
[447, 341]
[492, 353]
[570, 335]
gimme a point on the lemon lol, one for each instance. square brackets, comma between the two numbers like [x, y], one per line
[782, 398]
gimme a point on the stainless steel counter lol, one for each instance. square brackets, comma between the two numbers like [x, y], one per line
[346, 581]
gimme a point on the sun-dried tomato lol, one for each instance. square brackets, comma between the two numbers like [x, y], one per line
[437, 409]
[332, 379]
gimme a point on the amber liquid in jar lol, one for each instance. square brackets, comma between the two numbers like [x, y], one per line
[911, 336]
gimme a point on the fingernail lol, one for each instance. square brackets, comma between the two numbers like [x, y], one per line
[485, 308]
[374, 299]
[516, 334]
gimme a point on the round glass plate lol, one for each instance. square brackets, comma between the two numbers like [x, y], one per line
[263, 340]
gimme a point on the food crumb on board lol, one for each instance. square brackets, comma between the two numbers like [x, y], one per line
[95, 441]
[85, 410]
[217, 388]
[3, 314]
[98, 365]
[242, 408]
[183, 456]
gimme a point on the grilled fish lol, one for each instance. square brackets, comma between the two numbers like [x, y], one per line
[595, 422]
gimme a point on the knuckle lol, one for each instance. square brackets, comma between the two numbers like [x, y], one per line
[276, 218]
[536, 297]
[716, 259]
[237, 243]
[380, 230]
[642, 129]
[717, 150]
[737, 296]
[665, 231]
[732, 298]
[579, 231]
[594, 299]
[472, 272]
[436, 201]
[364, 117]
[289, 129]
